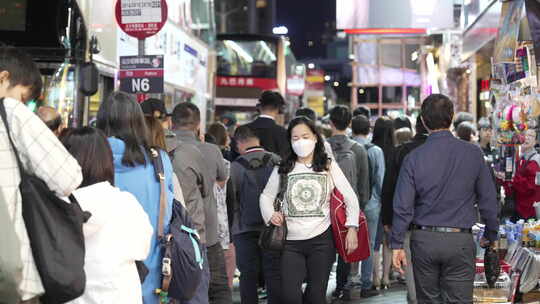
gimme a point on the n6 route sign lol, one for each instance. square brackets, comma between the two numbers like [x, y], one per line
[141, 74]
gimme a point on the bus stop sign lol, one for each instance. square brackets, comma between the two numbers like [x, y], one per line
[141, 18]
[141, 74]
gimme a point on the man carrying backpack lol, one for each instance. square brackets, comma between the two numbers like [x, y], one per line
[353, 160]
[249, 175]
[360, 129]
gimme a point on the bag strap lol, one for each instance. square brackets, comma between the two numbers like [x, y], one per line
[166, 269]
[160, 176]
[283, 183]
[4, 119]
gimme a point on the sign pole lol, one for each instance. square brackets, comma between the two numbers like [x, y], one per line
[141, 96]
[141, 74]
[141, 47]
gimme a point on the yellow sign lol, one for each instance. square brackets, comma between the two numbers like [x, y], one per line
[316, 103]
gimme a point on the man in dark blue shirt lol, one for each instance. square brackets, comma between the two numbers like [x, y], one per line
[437, 188]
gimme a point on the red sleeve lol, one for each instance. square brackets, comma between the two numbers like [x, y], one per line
[524, 180]
[507, 185]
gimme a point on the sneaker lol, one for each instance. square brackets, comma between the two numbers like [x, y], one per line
[336, 294]
[368, 293]
[345, 295]
[262, 294]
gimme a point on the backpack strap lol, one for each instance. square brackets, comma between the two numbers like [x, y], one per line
[165, 240]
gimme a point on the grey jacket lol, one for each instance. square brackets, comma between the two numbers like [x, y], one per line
[212, 166]
[235, 187]
[188, 165]
[362, 168]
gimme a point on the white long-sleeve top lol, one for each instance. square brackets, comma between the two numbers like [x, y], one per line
[306, 203]
[117, 234]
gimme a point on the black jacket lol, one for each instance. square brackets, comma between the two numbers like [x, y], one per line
[273, 137]
[391, 176]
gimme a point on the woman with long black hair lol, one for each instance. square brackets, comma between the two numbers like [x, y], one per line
[122, 121]
[384, 137]
[309, 250]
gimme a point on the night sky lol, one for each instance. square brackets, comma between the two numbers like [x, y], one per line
[306, 21]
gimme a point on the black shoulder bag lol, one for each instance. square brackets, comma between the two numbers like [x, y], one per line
[273, 237]
[55, 230]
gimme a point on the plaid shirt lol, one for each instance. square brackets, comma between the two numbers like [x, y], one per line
[43, 155]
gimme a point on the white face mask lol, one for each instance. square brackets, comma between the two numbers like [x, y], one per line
[303, 147]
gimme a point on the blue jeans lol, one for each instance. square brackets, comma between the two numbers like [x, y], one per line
[372, 216]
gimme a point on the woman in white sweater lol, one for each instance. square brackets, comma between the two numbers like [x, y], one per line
[309, 250]
[119, 231]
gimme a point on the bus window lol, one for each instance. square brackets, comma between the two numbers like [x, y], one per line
[254, 58]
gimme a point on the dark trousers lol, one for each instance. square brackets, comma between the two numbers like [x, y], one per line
[313, 259]
[218, 291]
[342, 273]
[252, 262]
[443, 265]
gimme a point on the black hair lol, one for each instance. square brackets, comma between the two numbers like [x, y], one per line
[384, 136]
[419, 126]
[244, 133]
[437, 112]
[219, 132]
[360, 125]
[402, 122]
[465, 131]
[54, 124]
[321, 162]
[340, 116]
[271, 100]
[87, 145]
[186, 114]
[209, 138]
[362, 110]
[461, 117]
[22, 70]
[307, 112]
[121, 116]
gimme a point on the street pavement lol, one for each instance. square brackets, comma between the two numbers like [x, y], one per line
[397, 294]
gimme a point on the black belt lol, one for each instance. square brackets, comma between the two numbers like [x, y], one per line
[441, 229]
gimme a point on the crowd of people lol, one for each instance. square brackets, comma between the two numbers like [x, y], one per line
[417, 189]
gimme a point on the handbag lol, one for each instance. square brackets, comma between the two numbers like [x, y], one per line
[338, 217]
[55, 230]
[273, 237]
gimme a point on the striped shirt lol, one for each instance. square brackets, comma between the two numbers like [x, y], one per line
[43, 155]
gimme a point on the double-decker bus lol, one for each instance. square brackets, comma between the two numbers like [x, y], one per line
[249, 64]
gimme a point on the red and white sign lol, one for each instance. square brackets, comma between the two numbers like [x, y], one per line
[315, 80]
[141, 18]
[296, 84]
[247, 82]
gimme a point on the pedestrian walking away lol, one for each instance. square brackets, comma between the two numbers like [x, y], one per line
[121, 119]
[249, 175]
[437, 188]
[187, 127]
